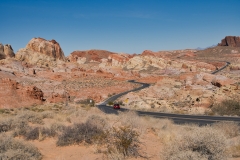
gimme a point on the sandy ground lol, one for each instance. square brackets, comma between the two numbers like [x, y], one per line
[150, 149]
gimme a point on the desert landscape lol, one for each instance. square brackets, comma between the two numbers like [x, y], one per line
[120, 80]
[49, 102]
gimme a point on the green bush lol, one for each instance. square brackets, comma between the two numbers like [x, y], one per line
[227, 107]
[110, 103]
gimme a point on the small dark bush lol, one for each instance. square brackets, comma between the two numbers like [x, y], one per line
[227, 107]
[32, 134]
[110, 103]
[78, 133]
[5, 126]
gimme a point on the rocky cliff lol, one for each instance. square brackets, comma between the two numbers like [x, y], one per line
[231, 41]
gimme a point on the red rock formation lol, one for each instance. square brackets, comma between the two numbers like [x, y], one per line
[49, 48]
[15, 95]
[231, 41]
[41, 52]
[220, 80]
[6, 51]
[95, 55]
[148, 53]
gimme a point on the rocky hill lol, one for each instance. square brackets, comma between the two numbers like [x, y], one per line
[181, 79]
[41, 52]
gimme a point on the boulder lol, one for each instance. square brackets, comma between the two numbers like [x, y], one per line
[220, 81]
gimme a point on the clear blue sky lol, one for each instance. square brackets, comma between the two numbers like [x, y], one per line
[128, 26]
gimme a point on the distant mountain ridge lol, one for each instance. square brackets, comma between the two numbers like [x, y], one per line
[200, 48]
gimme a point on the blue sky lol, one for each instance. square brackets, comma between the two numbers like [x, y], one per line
[129, 26]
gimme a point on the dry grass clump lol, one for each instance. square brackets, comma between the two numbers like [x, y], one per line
[79, 133]
[31, 116]
[39, 133]
[13, 149]
[229, 129]
[13, 124]
[199, 143]
[123, 141]
[227, 107]
[132, 119]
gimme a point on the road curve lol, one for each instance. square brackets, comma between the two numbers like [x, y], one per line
[177, 118]
[220, 69]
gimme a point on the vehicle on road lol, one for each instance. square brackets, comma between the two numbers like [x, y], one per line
[116, 106]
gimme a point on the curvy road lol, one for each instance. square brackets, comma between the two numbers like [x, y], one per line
[177, 118]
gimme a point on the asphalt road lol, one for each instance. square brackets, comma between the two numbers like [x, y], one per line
[177, 118]
[218, 70]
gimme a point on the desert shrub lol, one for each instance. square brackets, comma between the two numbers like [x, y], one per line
[47, 114]
[227, 107]
[110, 103]
[80, 133]
[132, 119]
[97, 121]
[199, 143]
[32, 133]
[32, 117]
[16, 124]
[123, 141]
[57, 127]
[39, 133]
[12, 149]
[5, 111]
[6, 125]
[229, 129]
